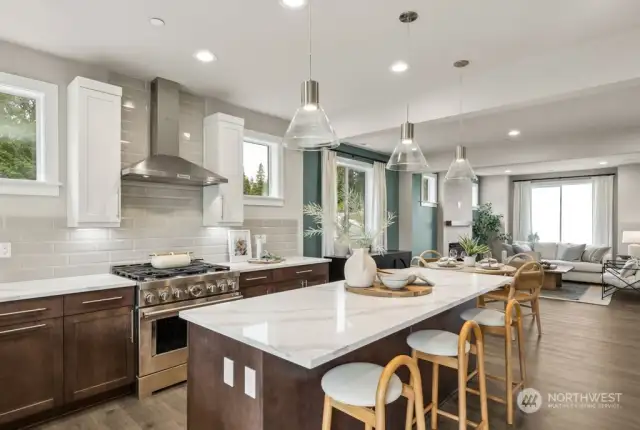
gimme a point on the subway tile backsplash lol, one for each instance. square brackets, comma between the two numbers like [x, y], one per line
[155, 218]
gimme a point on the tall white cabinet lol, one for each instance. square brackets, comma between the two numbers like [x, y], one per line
[93, 153]
[223, 204]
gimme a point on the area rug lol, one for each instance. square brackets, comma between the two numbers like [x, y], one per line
[577, 292]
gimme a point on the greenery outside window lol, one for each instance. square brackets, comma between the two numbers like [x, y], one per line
[354, 185]
[28, 136]
[429, 190]
[262, 169]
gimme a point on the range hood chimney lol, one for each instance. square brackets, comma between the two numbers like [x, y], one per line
[164, 163]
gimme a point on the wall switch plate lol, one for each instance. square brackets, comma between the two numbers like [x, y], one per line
[228, 372]
[250, 382]
[5, 250]
[260, 237]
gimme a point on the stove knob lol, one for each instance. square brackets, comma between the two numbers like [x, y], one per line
[164, 295]
[213, 288]
[149, 298]
[177, 293]
[222, 286]
[232, 284]
[196, 290]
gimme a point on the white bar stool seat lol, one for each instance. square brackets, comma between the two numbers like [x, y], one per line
[356, 384]
[436, 342]
[484, 317]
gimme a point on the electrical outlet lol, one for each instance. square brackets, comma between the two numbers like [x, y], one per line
[250, 382]
[227, 373]
[261, 237]
[5, 250]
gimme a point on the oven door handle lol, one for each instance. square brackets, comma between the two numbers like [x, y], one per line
[183, 308]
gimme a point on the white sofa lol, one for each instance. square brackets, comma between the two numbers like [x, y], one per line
[582, 271]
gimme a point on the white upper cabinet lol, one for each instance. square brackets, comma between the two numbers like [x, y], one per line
[93, 154]
[223, 205]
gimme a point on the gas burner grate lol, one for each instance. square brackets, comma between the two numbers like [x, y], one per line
[146, 272]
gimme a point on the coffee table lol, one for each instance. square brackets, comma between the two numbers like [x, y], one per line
[553, 277]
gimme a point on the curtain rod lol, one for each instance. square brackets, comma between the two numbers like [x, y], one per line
[563, 177]
[358, 156]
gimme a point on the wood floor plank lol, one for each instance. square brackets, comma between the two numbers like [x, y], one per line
[584, 348]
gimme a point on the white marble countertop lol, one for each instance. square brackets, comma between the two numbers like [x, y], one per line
[10, 291]
[289, 262]
[314, 325]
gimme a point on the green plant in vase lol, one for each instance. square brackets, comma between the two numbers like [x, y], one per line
[472, 248]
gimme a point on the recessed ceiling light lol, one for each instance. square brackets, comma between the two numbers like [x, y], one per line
[399, 67]
[603, 163]
[293, 4]
[514, 133]
[129, 104]
[507, 171]
[205, 56]
[156, 22]
[187, 135]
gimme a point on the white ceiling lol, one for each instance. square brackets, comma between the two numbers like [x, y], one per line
[522, 52]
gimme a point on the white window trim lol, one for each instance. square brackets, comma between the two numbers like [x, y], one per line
[276, 170]
[368, 171]
[433, 189]
[46, 95]
[475, 191]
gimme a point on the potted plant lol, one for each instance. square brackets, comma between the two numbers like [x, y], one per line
[472, 248]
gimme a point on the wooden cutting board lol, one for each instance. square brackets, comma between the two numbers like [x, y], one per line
[378, 290]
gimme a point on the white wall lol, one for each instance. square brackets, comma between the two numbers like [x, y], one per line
[628, 202]
[455, 201]
[496, 190]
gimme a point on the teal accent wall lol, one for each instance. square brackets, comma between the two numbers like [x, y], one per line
[312, 191]
[424, 221]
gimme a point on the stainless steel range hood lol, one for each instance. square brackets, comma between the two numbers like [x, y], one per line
[164, 163]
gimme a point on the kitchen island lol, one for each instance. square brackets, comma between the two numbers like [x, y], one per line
[257, 364]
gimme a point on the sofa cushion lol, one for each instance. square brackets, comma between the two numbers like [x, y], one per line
[611, 279]
[570, 252]
[594, 253]
[630, 268]
[547, 250]
[579, 266]
[521, 247]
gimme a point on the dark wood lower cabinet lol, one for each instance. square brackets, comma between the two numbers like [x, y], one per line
[99, 353]
[31, 371]
[254, 284]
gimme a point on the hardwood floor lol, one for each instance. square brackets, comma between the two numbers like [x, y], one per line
[584, 349]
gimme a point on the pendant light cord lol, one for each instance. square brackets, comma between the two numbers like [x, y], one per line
[408, 61]
[460, 108]
[309, 16]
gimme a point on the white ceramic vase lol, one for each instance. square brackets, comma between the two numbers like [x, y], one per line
[470, 261]
[360, 269]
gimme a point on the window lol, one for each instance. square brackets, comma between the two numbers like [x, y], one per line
[475, 195]
[263, 175]
[355, 195]
[429, 190]
[28, 136]
[563, 212]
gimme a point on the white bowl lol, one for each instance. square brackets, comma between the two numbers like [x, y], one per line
[394, 282]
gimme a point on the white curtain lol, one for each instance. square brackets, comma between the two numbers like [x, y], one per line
[603, 210]
[379, 201]
[521, 210]
[329, 200]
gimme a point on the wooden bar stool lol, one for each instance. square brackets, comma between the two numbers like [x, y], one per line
[355, 388]
[495, 322]
[443, 348]
[422, 261]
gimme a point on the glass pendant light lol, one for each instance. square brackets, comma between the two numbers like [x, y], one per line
[407, 155]
[460, 168]
[310, 129]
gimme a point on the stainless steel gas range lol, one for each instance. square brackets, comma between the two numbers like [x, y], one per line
[162, 335]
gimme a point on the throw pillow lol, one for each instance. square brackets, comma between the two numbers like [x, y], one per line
[509, 248]
[519, 248]
[570, 252]
[629, 268]
[547, 250]
[594, 254]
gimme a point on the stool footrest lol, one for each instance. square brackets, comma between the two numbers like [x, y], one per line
[456, 418]
[489, 396]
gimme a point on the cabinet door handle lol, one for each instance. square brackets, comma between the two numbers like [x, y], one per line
[256, 279]
[221, 207]
[88, 302]
[16, 330]
[132, 323]
[29, 311]
[304, 271]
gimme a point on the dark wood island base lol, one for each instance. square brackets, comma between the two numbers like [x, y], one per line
[289, 396]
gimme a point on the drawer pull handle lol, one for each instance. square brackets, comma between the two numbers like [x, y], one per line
[256, 279]
[29, 311]
[304, 271]
[88, 302]
[16, 330]
[132, 325]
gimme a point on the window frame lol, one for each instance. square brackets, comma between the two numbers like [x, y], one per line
[475, 195]
[275, 169]
[47, 175]
[432, 189]
[367, 169]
